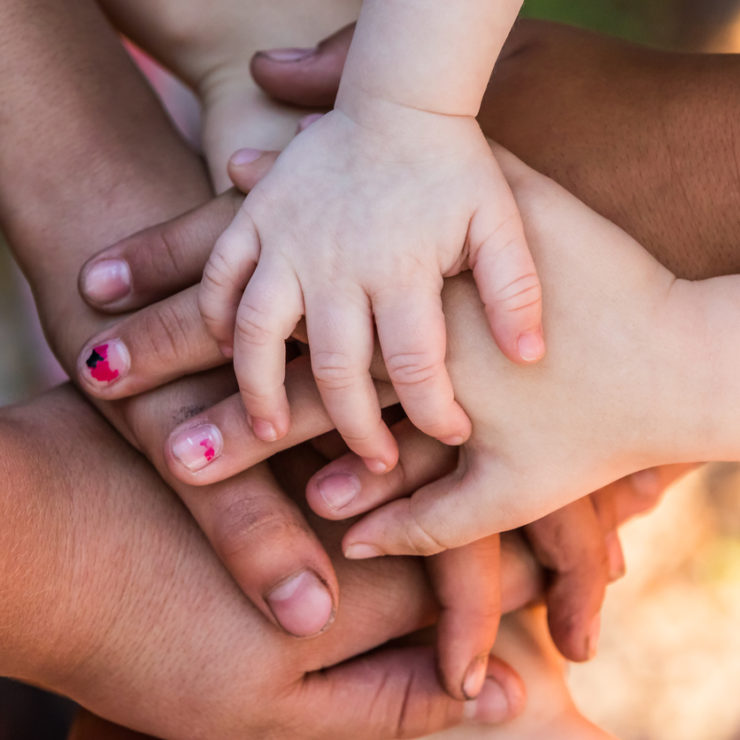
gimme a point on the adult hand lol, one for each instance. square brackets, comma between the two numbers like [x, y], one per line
[128, 601]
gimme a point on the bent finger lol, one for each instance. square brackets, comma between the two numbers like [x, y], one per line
[467, 585]
[570, 545]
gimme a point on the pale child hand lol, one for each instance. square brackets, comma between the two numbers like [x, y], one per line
[359, 222]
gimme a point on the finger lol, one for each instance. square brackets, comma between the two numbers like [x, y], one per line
[263, 324]
[395, 693]
[458, 509]
[305, 77]
[507, 280]
[148, 349]
[158, 261]
[340, 338]
[226, 275]
[218, 443]
[345, 487]
[570, 544]
[466, 583]
[246, 170]
[606, 513]
[412, 334]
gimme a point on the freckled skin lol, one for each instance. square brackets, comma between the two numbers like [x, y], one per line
[100, 369]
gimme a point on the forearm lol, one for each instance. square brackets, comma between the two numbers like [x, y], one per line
[110, 167]
[431, 56]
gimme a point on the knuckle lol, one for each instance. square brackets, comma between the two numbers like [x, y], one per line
[244, 524]
[413, 368]
[253, 325]
[218, 273]
[521, 293]
[167, 333]
[334, 370]
[420, 537]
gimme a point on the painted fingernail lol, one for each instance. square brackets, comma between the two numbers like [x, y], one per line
[338, 489]
[302, 604]
[592, 639]
[475, 677]
[107, 281]
[288, 55]
[263, 430]
[531, 346]
[107, 362]
[375, 466]
[492, 705]
[307, 121]
[245, 156]
[198, 446]
[361, 551]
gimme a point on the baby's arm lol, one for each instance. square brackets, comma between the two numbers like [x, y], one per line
[430, 56]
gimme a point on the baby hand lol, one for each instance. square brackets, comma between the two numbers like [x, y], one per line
[357, 224]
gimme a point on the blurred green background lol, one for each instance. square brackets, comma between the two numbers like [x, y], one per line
[677, 24]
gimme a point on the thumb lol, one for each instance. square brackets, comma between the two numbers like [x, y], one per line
[471, 503]
[305, 77]
[247, 167]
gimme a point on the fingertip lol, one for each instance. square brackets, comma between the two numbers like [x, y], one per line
[105, 281]
[531, 346]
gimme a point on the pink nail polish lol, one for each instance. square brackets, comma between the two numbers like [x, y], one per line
[531, 346]
[106, 281]
[338, 489]
[108, 362]
[288, 55]
[198, 446]
[302, 604]
[361, 551]
[246, 156]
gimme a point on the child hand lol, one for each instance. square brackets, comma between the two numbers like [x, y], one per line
[356, 223]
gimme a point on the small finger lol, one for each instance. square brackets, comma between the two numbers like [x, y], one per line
[340, 339]
[412, 334]
[148, 349]
[345, 487]
[263, 324]
[507, 281]
[226, 275]
[466, 582]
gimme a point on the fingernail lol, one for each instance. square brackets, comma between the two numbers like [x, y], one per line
[361, 551]
[454, 441]
[108, 362]
[302, 604]
[263, 430]
[107, 281]
[491, 706]
[307, 121]
[288, 55]
[198, 446]
[531, 346]
[245, 156]
[592, 640]
[338, 489]
[375, 466]
[475, 677]
[227, 350]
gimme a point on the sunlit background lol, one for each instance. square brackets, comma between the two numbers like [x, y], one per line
[669, 662]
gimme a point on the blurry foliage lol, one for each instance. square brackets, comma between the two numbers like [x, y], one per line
[669, 23]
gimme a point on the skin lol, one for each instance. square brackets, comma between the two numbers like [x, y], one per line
[382, 264]
[128, 601]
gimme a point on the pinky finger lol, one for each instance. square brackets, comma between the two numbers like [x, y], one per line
[226, 274]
